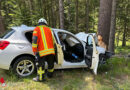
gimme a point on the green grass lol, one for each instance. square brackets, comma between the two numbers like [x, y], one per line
[115, 75]
[122, 50]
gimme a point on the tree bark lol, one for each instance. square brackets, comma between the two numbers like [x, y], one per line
[76, 16]
[104, 22]
[124, 35]
[61, 13]
[45, 9]
[112, 28]
[2, 28]
[125, 27]
[31, 6]
[52, 13]
[87, 16]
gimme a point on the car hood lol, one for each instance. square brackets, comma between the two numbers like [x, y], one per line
[83, 36]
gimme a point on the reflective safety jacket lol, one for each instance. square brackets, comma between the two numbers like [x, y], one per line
[43, 41]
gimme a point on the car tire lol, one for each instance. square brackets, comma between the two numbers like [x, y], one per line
[24, 66]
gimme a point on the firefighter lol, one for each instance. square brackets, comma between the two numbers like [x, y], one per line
[43, 48]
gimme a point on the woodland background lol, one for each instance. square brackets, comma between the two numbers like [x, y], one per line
[99, 16]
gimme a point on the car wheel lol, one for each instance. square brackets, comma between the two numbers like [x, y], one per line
[24, 66]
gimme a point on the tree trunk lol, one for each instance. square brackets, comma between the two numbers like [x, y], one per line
[125, 27]
[61, 13]
[52, 13]
[76, 16]
[112, 28]
[69, 14]
[124, 35]
[2, 28]
[45, 9]
[104, 22]
[87, 16]
[57, 13]
[30, 6]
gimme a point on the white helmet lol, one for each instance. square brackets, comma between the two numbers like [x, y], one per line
[42, 20]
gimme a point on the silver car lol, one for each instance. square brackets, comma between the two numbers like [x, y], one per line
[71, 52]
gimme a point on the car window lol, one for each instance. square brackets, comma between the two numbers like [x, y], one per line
[68, 38]
[28, 35]
[8, 34]
[90, 42]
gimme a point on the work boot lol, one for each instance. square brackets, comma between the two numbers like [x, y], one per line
[36, 79]
[49, 74]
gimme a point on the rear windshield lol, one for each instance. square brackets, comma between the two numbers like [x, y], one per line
[8, 34]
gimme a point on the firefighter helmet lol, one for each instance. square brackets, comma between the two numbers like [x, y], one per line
[42, 20]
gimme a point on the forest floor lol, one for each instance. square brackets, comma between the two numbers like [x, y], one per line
[115, 75]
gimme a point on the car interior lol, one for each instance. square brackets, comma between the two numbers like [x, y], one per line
[28, 35]
[72, 48]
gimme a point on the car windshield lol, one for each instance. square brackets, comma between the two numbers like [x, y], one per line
[7, 34]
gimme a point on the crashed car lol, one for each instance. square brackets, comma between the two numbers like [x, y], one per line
[71, 51]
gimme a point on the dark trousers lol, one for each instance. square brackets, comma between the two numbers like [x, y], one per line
[50, 59]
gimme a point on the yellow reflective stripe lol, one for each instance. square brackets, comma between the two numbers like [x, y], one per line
[34, 45]
[51, 51]
[34, 31]
[50, 70]
[43, 37]
[46, 50]
[40, 72]
[42, 54]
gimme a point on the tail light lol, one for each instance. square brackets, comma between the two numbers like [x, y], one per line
[3, 44]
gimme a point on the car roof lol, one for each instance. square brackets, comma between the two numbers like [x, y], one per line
[24, 28]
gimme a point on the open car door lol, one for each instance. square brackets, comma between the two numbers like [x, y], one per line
[58, 52]
[95, 56]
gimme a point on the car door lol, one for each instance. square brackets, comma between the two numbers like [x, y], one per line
[58, 51]
[59, 54]
[95, 56]
[73, 48]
